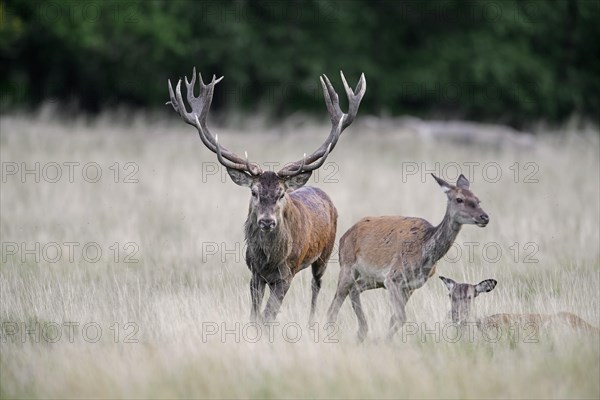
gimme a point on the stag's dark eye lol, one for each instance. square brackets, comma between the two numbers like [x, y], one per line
[254, 194]
[281, 196]
[459, 200]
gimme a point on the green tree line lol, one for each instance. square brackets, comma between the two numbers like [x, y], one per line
[509, 61]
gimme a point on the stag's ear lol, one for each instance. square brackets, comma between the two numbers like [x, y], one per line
[485, 286]
[297, 181]
[240, 178]
[448, 282]
[462, 182]
[446, 187]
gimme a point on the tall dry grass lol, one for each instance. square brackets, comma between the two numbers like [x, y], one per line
[183, 226]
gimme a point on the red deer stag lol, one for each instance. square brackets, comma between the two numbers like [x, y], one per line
[462, 298]
[289, 226]
[399, 253]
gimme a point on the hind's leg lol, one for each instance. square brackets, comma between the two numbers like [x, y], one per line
[318, 269]
[399, 296]
[345, 283]
[363, 327]
[355, 291]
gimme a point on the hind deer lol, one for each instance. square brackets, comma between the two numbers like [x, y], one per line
[289, 226]
[400, 253]
[462, 300]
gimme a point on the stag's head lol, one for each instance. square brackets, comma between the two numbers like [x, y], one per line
[269, 194]
[269, 189]
[462, 296]
[463, 205]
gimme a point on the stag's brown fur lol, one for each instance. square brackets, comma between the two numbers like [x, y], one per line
[304, 235]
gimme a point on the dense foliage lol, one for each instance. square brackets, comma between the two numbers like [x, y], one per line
[512, 61]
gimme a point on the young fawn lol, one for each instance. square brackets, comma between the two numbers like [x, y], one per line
[399, 253]
[462, 297]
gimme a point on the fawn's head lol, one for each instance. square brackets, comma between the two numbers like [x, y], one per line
[462, 296]
[463, 205]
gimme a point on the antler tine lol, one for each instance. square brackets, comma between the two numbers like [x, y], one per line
[322, 159]
[190, 85]
[197, 117]
[229, 164]
[339, 122]
[332, 100]
[286, 172]
[173, 101]
[354, 97]
[317, 160]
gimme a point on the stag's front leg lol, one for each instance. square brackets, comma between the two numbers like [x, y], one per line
[278, 290]
[257, 291]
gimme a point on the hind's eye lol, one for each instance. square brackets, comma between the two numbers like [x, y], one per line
[254, 194]
[459, 200]
[281, 195]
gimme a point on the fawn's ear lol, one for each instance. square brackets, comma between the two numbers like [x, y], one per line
[446, 187]
[462, 182]
[448, 282]
[485, 286]
[297, 181]
[240, 178]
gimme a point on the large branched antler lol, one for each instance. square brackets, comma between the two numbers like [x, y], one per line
[197, 117]
[339, 122]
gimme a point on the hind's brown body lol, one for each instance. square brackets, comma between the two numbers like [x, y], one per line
[399, 253]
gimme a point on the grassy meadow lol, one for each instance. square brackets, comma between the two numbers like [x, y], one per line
[123, 275]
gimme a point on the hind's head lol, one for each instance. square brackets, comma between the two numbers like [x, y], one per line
[462, 296]
[463, 205]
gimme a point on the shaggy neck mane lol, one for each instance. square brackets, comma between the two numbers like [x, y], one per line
[274, 246]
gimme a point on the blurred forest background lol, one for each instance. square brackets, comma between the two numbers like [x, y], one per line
[497, 61]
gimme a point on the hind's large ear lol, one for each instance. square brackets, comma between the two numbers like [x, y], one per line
[485, 286]
[462, 182]
[446, 187]
[448, 282]
[297, 181]
[240, 178]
